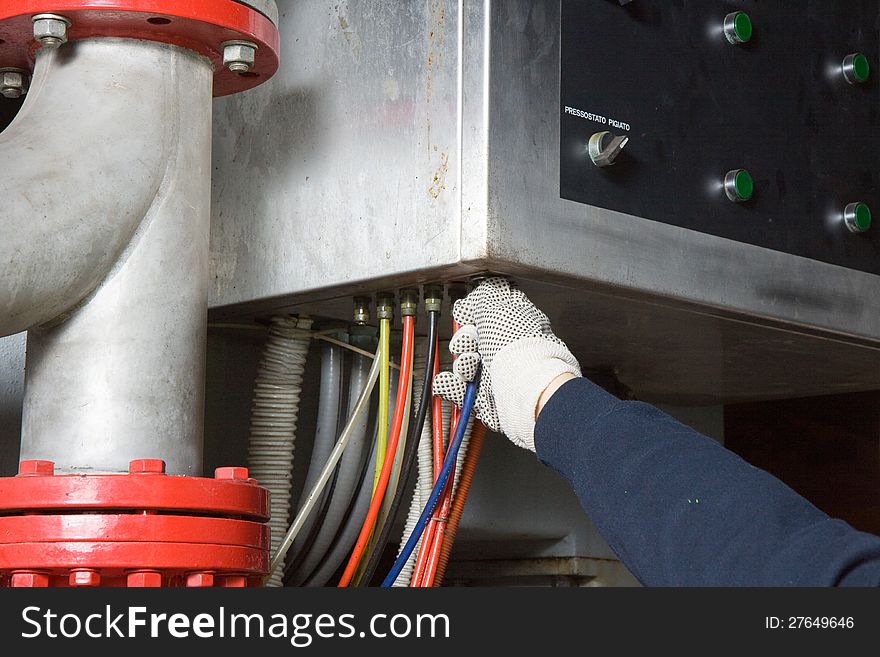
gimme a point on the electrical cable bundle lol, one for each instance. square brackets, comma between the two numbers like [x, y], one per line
[411, 449]
[391, 448]
[374, 504]
[449, 464]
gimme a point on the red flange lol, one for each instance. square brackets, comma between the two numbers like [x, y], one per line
[132, 530]
[200, 25]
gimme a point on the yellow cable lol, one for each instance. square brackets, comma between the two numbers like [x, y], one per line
[384, 394]
[382, 434]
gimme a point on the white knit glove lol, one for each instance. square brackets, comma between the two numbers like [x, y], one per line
[519, 353]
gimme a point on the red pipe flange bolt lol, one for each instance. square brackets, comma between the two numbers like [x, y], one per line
[143, 529]
[242, 43]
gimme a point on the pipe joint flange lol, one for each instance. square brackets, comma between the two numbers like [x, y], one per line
[240, 37]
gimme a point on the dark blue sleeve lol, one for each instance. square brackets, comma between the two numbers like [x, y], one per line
[680, 510]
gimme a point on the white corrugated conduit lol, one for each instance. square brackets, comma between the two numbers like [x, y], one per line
[274, 415]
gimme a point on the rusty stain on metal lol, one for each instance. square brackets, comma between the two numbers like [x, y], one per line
[438, 183]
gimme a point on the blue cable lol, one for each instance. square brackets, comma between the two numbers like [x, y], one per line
[467, 407]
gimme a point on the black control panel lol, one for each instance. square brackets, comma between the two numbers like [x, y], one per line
[754, 121]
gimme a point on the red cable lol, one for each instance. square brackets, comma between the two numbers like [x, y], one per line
[439, 521]
[437, 421]
[441, 516]
[432, 541]
[393, 438]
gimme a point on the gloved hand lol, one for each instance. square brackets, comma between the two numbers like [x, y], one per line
[519, 353]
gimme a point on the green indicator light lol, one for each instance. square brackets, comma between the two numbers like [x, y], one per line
[743, 26]
[861, 67]
[744, 184]
[738, 27]
[856, 68]
[738, 185]
[857, 217]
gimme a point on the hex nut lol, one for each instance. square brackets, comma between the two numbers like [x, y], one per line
[234, 582]
[29, 580]
[231, 474]
[13, 82]
[85, 578]
[35, 468]
[144, 579]
[50, 30]
[239, 56]
[200, 580]
[146, 466]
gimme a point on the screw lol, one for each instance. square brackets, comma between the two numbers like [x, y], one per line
[231, 474]
[146, 466]
[239, 56]
[50, 29]
[36, 469]
[14, 82]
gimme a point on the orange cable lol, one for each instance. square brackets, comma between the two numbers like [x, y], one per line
[468, 468]
[437, 527]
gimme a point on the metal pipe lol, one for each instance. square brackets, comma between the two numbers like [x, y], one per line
[106, 255]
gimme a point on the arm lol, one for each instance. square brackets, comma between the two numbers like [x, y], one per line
[680, 510]
[676, 507]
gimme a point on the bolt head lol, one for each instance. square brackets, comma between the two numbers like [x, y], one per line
[231, 474]
[36, 469]
[50, 30]
[144, 580]
[85, 578]
[199, 580]
[239, 56]
[13, 83]
[146, 466]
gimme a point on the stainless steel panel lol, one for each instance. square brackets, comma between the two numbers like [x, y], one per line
[343, 167]
[421, 144]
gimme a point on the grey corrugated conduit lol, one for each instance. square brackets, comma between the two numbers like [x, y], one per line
[274, 415]
[350, 465]
[352, 527]
[325, 432]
